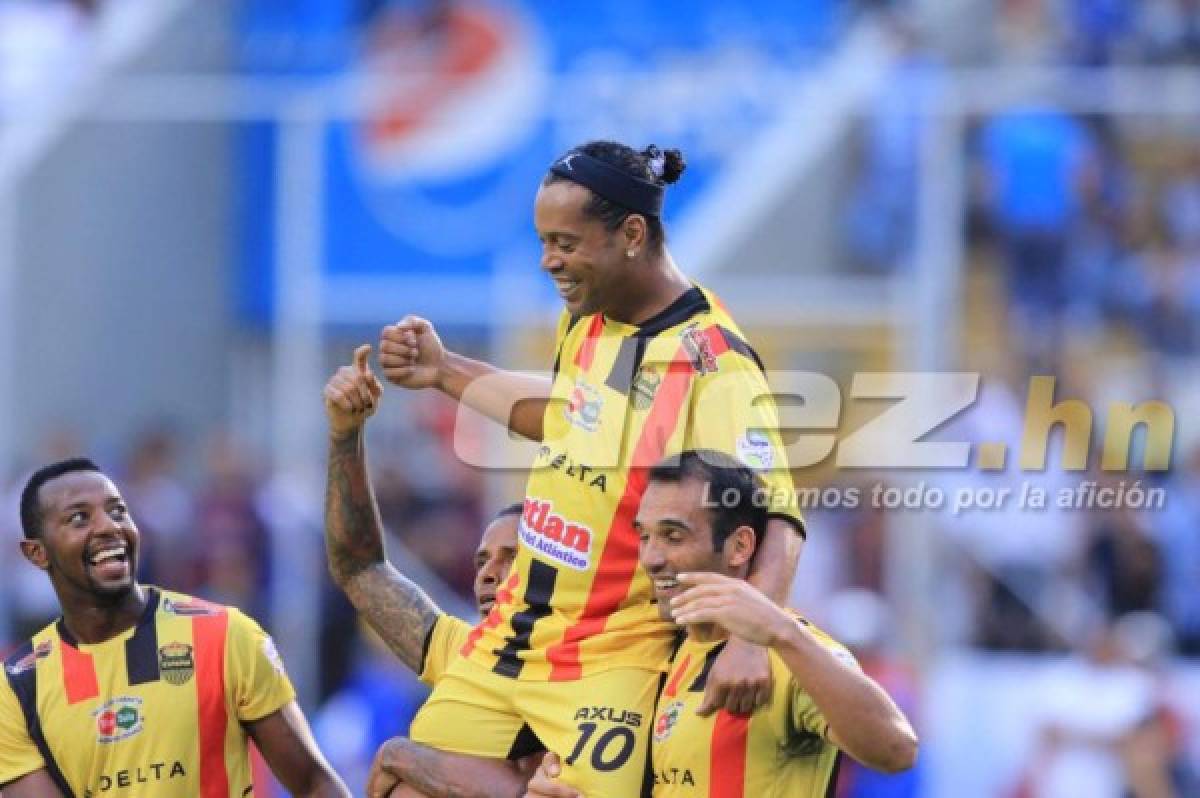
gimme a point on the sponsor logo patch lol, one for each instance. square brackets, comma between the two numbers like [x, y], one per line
[175, 663]
[552, 535]
[755, 450]
[29, 660]
[118, 719]
[665, 723]
[699, 350]
[584, 406]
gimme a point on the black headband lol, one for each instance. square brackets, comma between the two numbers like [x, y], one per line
[615, 185]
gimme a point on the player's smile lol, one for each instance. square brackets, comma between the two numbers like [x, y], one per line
[88, 523]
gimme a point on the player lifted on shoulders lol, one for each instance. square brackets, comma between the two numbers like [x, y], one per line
[647, 365]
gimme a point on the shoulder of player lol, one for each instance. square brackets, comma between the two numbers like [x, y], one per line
[823, 637]
[171, 602]
[29, 654]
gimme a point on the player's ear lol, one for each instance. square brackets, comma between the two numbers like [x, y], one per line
[739, 547]
[633, 232]
[35, 552]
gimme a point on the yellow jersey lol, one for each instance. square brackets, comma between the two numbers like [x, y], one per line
[156, 710]
[624, 397]
[780, 751]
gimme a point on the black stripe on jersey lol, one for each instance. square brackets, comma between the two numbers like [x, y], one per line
[831, 785]
[24, 685]
[537, 596]
[702, 677]
[628, 361]
[141, 650]
[739, 345]
[524, 744]
[629, 357]
[689, 303]
[558, 355]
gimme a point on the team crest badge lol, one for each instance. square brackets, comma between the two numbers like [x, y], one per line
[645, 385]
[118, 719]
[584, 406]
[176, 663]
[699, 350]
[666, 721]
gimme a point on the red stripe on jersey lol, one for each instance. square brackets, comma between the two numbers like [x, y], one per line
[619, 562]
[727, 756]
[503, 596]
[208, 639]
[79, 674]
[587, 350]
[673, 685]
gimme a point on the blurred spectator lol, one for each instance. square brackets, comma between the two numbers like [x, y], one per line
[1175, 530]
[1101, 699]
[861, 620]
[163, 507]
[1124, 561]
[235, 549]
[1038, 170]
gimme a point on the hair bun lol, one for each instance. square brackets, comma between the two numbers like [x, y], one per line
[673, 166]
[665, 166]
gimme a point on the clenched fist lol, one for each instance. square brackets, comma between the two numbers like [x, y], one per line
[352, 394]
[411, 354]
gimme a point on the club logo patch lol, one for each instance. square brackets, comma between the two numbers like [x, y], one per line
[28, 661]
[176, 663]
[645, 385]
[118, 719]
[665, 723]
[755, 450]
[584, 406]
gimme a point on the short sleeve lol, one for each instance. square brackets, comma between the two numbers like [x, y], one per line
[445, 640]
[260, 683]
[18, 755]
[733, 412]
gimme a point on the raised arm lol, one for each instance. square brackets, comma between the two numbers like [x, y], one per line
[863, 720]
[399, 611]
[412, 356]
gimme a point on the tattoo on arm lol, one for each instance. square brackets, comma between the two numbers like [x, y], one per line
[353, 529]
[394, 607]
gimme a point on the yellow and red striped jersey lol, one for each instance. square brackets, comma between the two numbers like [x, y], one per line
[441, 647]
[780, 751]
[157, 710]
[624, 397]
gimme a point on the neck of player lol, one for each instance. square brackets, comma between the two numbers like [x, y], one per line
[91, 619]
[658, 283]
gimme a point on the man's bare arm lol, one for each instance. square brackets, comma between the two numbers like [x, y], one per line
[399, 611]
[37, 784]
[437, 774]
[774, 566]
[391, 604]
[511, 398]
